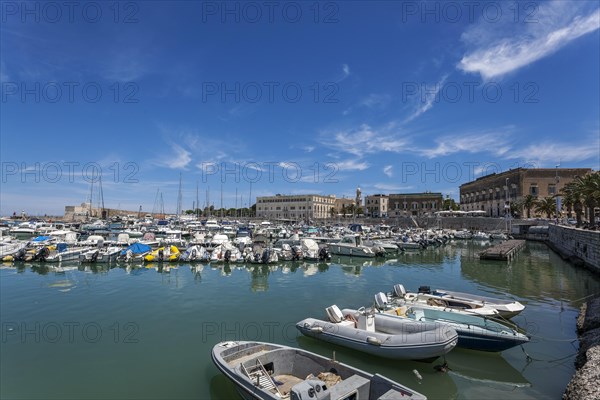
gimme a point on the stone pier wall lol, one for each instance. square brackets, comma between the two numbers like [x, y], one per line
[580, 246]
[584, 384]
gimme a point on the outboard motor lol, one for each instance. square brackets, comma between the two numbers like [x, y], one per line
[323, 254]
[20, 256]
[161, 255]
[295, 253]
[265, 256]
[42, 254]
[95, 256]
[399, 290]
[227, 255]
[425, 289]
[381, 300]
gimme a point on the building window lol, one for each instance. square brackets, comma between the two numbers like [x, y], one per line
[551, 189]
[533, 190]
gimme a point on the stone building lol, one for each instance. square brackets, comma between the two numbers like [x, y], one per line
[495, 192]
[376, 205]
[295, 207]
[344, 203]
[414, 204]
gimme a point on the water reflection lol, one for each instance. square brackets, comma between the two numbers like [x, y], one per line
[488, 368]
[536, 273]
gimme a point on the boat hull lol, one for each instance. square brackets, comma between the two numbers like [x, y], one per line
[395, 346]
[474, 332]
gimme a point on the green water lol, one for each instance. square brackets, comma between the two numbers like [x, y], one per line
[73, 332]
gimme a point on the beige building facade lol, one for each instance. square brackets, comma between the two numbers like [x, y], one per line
[494, 193]
[295, 207]
[414, 204]
[376, 205]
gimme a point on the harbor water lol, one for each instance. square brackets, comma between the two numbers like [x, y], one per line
[72, 331]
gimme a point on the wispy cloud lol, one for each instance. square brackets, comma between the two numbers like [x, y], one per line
[365, 140]
[351, 165]
[496, 142]
[375, 101]
[549, 153]
[495, 51]
[426, 97]
[346, 70]
[388, 170]
[179, 160]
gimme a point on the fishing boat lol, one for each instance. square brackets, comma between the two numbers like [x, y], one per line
[424, 299]
[446, 298]
[271, 371]
[375, 334]
[474, 331]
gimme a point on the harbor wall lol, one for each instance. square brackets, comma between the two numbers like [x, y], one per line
[485, 224]
[580, 246]
[584, 384]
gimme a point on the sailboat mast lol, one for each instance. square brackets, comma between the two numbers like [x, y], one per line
[179, 198]
[197, 210]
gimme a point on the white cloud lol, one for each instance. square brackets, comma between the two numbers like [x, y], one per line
[181, 159]
[388, 170]
[558, 24]
[364, 140]
[351, 165]
[346, 70]
[491, 142]
[547, 153]
[426, 97]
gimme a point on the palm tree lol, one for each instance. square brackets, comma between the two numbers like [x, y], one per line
[332, 212]
[546, 205]
[588, 187]
[528, 203]
[572, 200]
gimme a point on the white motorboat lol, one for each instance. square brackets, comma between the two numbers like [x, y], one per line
[474, 332]
[101, 255]
[375, 334]
[271, 371]
[424, 298]
[505, 307]
[352, 246]
[63, 253]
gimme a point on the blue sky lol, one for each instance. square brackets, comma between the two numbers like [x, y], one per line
[295, 97]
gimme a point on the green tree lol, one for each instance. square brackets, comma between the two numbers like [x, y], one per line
[332, 212]
[588, 187]
[547, 206]
[528, 203]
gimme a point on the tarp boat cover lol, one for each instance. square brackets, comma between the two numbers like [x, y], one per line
[137, 248]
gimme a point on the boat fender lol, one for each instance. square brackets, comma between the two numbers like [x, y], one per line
[417, 374]
[373, 340]
[316, 329]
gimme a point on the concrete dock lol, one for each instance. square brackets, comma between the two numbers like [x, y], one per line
[504, 251]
